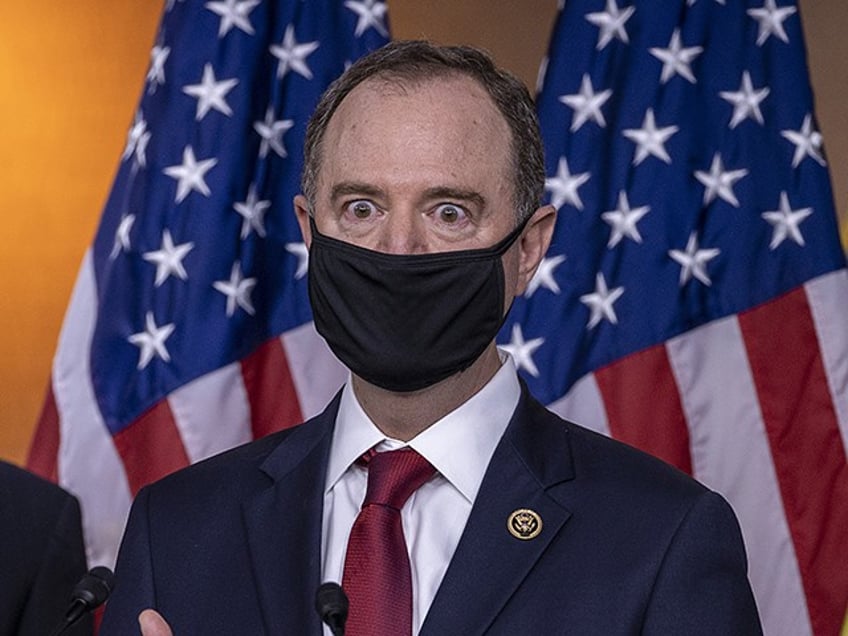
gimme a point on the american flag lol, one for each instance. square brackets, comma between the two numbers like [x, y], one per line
[693, 302]
[189, 329]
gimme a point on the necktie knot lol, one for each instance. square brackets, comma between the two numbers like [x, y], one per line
[394, 475]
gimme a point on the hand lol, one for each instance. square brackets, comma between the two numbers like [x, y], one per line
[152, 624]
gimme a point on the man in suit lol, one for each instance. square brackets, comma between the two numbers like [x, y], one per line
[421, 199]
[42, 555]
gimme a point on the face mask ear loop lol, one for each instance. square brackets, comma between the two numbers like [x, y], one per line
[505, 243]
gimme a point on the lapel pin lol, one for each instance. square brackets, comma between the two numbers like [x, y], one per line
[524, 524]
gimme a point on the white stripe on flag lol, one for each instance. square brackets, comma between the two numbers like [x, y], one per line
[731, 454]
[86, 453]
[828, 298]
[317, 374]
[584, 405]
[212, 413]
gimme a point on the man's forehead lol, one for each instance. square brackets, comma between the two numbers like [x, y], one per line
[433, 113]
[445, 129]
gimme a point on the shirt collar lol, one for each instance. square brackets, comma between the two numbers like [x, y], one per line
[476, 427]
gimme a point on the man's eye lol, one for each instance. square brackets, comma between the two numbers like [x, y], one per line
[361, 209]
[449, 213]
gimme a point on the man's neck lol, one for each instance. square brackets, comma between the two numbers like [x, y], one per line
[402, 416]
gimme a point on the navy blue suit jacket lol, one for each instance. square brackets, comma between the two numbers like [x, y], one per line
[629, 545]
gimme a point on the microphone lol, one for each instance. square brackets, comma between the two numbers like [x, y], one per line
[91, 592]
[331, 604]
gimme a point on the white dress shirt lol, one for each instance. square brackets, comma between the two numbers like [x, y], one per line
[459, 445]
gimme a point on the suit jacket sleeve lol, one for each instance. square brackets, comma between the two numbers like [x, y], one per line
[134, 590]
[702, 585]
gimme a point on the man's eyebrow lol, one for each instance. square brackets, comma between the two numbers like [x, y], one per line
[457, 194]
[358, 188]
[346, 188]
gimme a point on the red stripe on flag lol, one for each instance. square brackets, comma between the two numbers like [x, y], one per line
[643, 406]
[806, 448]
[151, 447]
[270, 389]
[44, 449]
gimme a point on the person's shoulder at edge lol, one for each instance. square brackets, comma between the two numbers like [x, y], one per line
[627, 469]
[42, 552]
[29, 501]
[22, 480]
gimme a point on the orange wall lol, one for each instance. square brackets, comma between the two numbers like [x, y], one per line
[70, 76]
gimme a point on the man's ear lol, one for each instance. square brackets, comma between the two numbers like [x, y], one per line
[533, 244]
[301, 210]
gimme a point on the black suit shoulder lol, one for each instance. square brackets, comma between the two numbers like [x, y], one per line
[42, 555]
[28, 502]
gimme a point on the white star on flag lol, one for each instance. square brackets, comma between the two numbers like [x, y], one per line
[302, 254]
[272, 132]
[649, 139]
[564, 186]
[151, 341]
[746, 101]
[691, 2]
[237, 290]
[522, 351]
[233, 13]
[693, 261]
[190, 174]
[292, 55]
[253, 210]
[586, 104]
[122, 235]
[370, 13]
[808, 142]
[785, 222]
[676, 59]
[611, 23]
[719, 182]
[600, 302]
[137, 138]
[623, 220]
[544, 276]
[770, 19]
[169, 259]
[210, 93]
[156, 72]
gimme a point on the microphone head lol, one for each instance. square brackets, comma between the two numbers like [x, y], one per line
[332, 605]
[94, 587]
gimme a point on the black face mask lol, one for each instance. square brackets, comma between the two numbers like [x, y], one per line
[406, 321]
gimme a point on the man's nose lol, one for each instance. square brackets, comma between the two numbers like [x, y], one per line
[403, 232]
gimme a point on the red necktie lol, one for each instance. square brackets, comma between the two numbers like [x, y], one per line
[377, 577]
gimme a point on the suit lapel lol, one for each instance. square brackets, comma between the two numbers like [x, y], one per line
[490, 563]
[283, 525]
